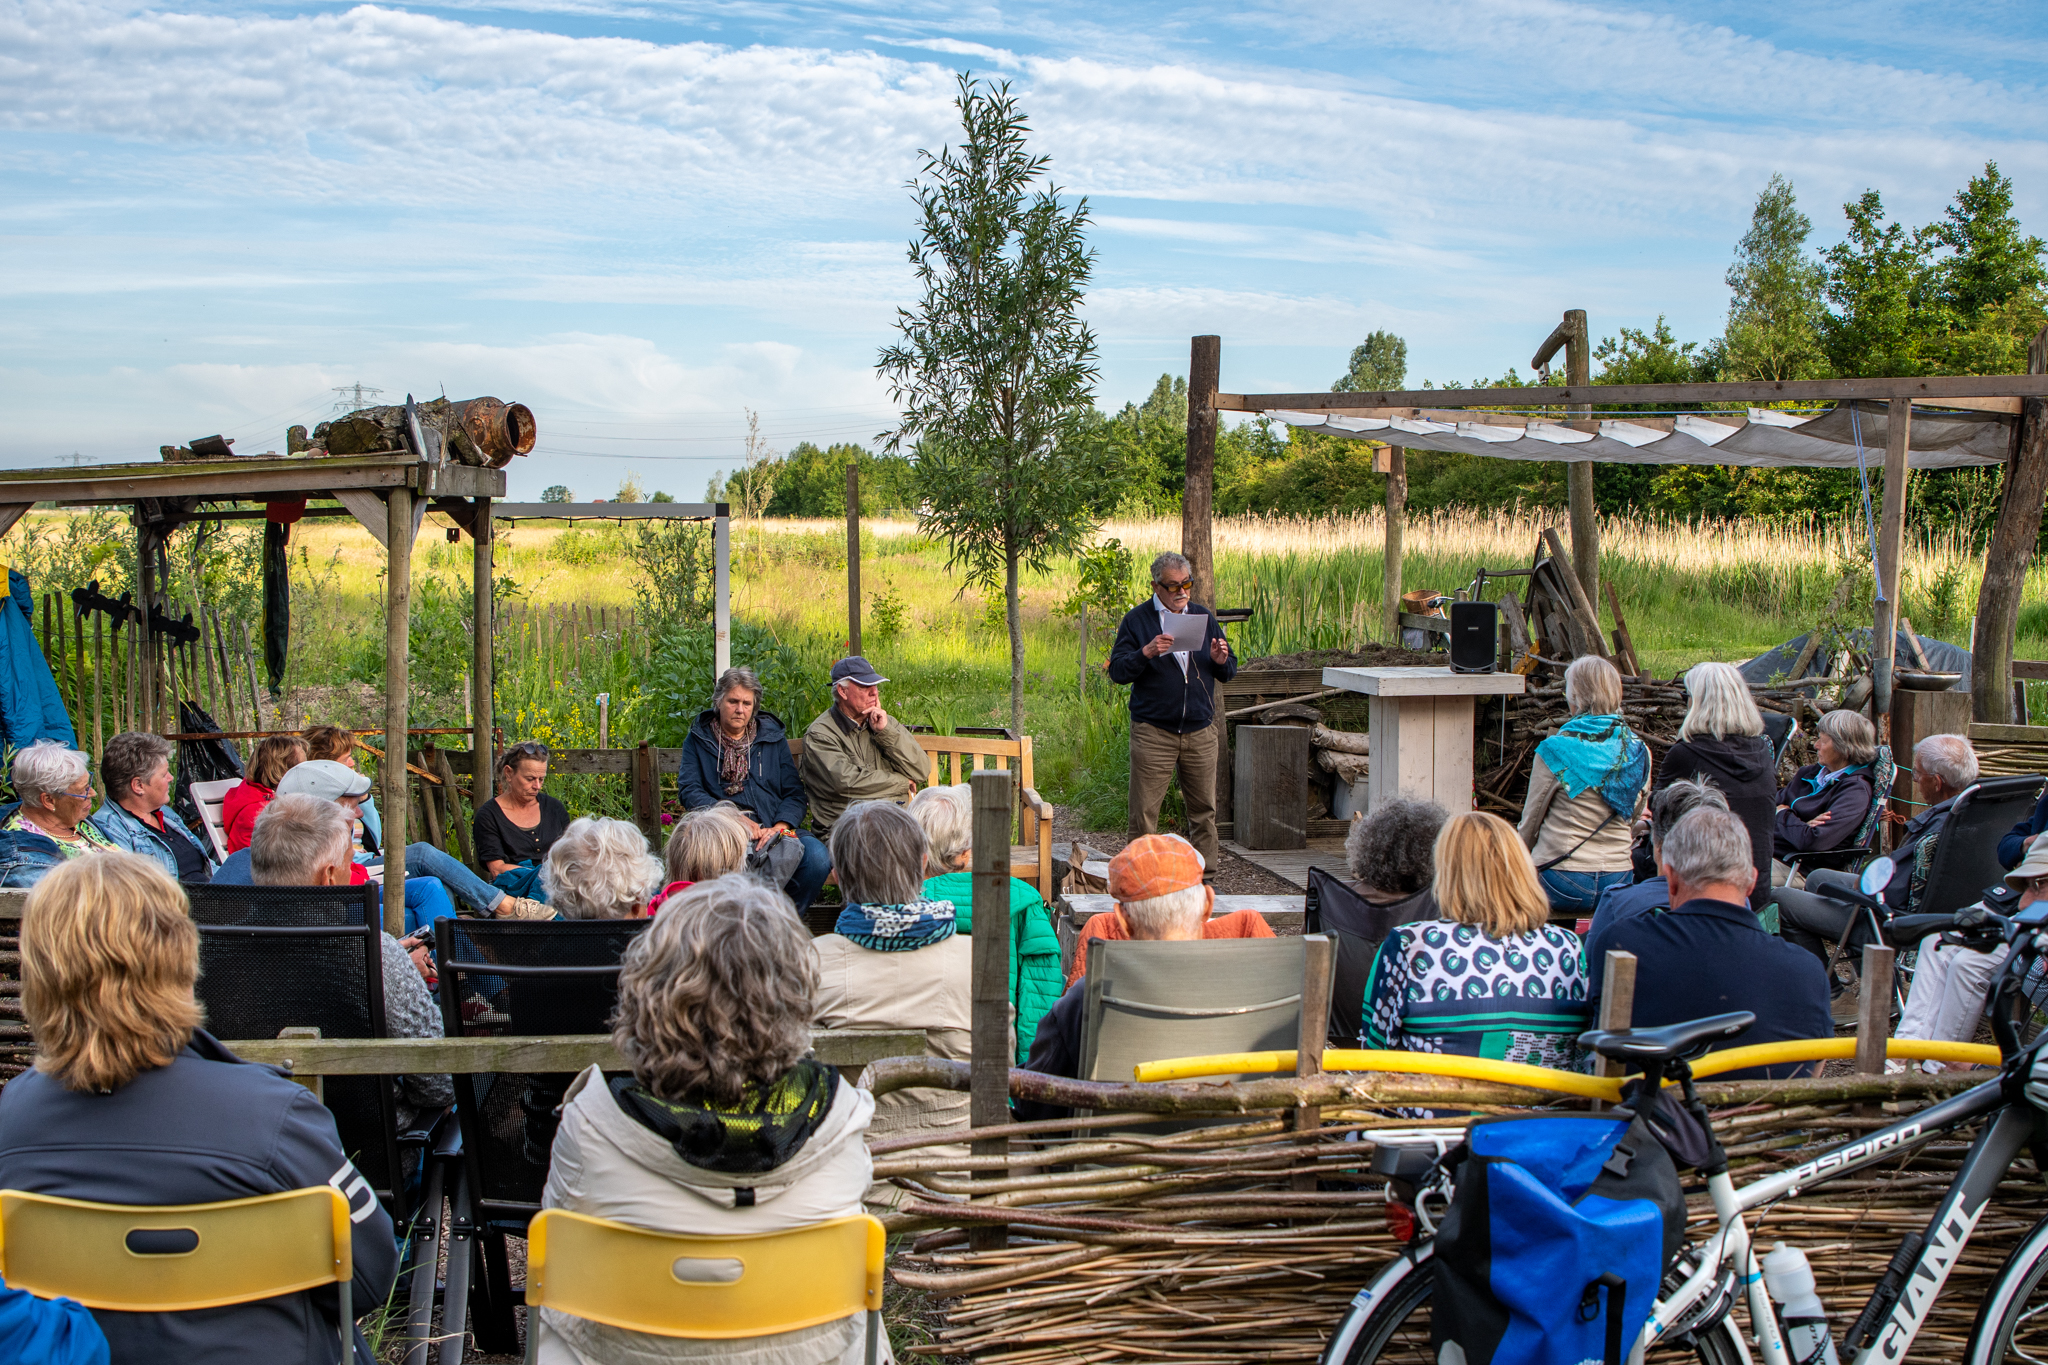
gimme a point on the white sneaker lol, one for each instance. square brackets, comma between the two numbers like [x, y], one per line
[1894, 1067]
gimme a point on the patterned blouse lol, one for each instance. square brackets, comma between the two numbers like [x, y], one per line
[1452, 988]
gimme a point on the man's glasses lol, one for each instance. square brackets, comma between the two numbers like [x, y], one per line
[1165, 586]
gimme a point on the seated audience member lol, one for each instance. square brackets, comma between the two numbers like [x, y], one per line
[725, 1127]
[131, 1102]
[947, 815]
[895, 960]
[515, 829]
[704, 846]
[855, 752]
[1707, 954]
[1667, 808]
[1950, 982]
[271, 759]
[136, 813]
[49, 826]
[1154, 865]
[305, 841]
[1943, 765]
[1586, 788]
[1721, 741]
[37, 1331]
[1824, 804]
[1498, 979]
[600, 869]
[2013, 846]
[1390, 856]
[338, 745]
[739, 754]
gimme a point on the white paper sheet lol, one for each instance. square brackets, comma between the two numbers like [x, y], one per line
[1190, 630]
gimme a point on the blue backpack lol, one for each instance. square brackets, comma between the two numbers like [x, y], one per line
[1556, 1240]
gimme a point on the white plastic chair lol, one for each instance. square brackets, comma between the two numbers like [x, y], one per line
[208, 796]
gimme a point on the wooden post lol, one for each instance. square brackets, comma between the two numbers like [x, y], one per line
[1874, 1014]
[2013, 537]
[853, 559]
[1617, 1002]
[1313, 1035]
[1585, 513]
[721, 592]
[1205, 372]
[249, 671]
[142, 662]
[1397, 530]
[1891, 533]
[99, 676]
[483, 660]
[647, 794]
[397, 800]
[989, 1103]
[1083, 674]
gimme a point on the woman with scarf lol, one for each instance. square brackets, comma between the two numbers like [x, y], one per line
[1824, 804]
[1586, 787]
[724, 1126]
[896, 960]
[737, 753]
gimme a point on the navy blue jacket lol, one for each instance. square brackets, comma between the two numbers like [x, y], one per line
[25, 858]
[1709, 957]
[773, 791]
[208, 1127]
[2013, 846]
[1618, 903]
[1848, 799]
[1159, 694]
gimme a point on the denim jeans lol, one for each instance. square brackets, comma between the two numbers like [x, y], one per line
[427, 862]
[426, 900]
[810, 874]
[1579, 892]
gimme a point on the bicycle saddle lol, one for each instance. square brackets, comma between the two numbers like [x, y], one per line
[1655, 1046]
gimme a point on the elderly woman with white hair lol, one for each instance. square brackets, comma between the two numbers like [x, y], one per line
[600, 869]
[724, 1126]
[1721, 742]
[947, 815]
[1587, 786]
[48, 825]
[1826, 801]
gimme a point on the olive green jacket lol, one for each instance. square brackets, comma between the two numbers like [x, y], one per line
[844, 763]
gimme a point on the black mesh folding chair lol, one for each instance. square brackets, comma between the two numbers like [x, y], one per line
[1358, 928]
[515, 979]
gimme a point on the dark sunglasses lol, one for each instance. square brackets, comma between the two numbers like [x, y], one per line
[1165, 586]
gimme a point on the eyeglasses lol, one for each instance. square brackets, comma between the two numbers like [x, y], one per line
[1165, 586]
[85, 795]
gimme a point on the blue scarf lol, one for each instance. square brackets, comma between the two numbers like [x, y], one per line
[897, 928]
[1598, 753]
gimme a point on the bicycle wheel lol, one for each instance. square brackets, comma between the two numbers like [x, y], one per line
[1393, 1327]
[2013, 1323]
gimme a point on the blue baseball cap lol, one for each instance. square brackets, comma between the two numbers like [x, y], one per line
[856, 669]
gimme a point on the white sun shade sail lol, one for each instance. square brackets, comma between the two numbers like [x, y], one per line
[1940, 440]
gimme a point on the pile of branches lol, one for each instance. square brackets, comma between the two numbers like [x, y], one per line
[1245, 1240]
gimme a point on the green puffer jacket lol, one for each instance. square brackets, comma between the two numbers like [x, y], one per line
[1035, 982]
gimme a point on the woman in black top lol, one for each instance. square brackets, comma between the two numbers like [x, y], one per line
[1722, 742]
[516, 828]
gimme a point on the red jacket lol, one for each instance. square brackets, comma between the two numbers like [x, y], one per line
[239, 810]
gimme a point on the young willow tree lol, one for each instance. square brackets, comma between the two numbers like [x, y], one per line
[995, 371]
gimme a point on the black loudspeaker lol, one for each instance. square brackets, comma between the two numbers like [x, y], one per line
[1475, 628]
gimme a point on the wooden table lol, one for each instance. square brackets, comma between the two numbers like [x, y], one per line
[1422, 729]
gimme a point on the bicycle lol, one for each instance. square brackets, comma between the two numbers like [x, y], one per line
[1387, 1320]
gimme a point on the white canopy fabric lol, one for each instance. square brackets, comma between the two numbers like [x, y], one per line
[1940, 440]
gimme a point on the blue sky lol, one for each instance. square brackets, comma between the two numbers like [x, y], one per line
[642, 216]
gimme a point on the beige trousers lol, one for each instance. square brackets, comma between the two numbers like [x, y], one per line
[1157, 757]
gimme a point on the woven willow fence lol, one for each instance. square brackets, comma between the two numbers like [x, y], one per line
[1245, 1240]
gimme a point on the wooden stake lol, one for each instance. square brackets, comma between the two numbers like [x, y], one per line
[852, 558]
[1623, 645]
[1898, 438]
[1585, 513]
[1874, 1013]
[1205, 372]
[249, 664]
[1396, 536]
[989, 1102]
[397, 699]
[206, 654]
[99, 672]
[1313, 1035]
[1617, 1004]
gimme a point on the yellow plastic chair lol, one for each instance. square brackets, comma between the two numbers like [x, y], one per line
[175, 1258]
[707, 1288]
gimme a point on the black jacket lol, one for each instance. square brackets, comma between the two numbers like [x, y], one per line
[1159, 694]
[1741, 767]
[1846, 801]
[208, 1127]
[2013, 846]
[773, 790]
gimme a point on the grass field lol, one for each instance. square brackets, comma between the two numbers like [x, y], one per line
[1690, 593]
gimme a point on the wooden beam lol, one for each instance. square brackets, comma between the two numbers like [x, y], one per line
[989, 1098]
[2013, 537]
[1891, 533]
[1929, 389]
[396, 805]
[1585, 514]
[1617, 1002]
[606, 511]
[565, 1053]
[1205, 370]
[852, 558]
[238, 479]
[483, 662]
[1397, 529]
[2031, 670]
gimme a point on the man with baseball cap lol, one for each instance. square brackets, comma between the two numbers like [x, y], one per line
[1950, 983]
[854, 752]
[1157, 885]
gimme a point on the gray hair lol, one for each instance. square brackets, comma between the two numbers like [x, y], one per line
[295, 836]
[1947, 757]
[1160, 915]
[47, 768]
[1679, 800]
[947, 816]
[1592, 686]
[717, 994]
[878, 851]
[741, 677]
[1171, 559]
[1708, 846]
[1721, 704]
[706, 844]
[1852, 733]
[130, 756]
[1393, 849]
[600, 869]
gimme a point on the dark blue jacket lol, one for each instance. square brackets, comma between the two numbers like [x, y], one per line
[208, 1127]
[773, 791]
[30, 708]
[1847, 799]
[1159, 694]
[25, 858]
[2013, 846]
[1618, 903]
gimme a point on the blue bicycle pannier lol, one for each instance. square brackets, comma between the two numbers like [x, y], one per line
[1555, 1242]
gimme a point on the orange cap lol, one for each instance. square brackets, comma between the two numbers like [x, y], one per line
[1153, 865]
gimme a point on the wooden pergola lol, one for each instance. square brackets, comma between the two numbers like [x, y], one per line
[2023, 398]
